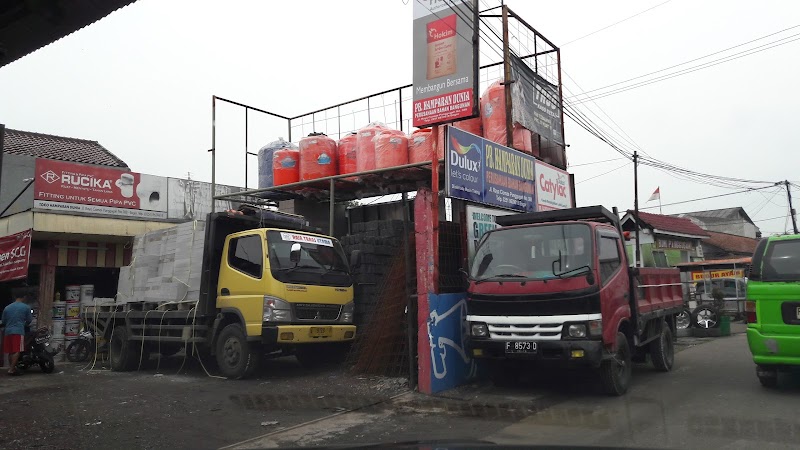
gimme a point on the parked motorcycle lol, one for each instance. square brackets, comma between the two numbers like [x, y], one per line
[38, 351]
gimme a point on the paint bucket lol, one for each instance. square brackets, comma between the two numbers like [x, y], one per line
[73, 311]
[72, 327]
[72, 293]
[59, 310]
[58, 328]
[87, 293]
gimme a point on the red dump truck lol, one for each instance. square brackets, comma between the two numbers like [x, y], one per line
[554, 288]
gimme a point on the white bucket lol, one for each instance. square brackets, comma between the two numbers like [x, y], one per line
[73, 311]
[59, 310]
[60, 343]
[73, 293]
[72, 327]
[692, 304]
[87, 293]
[58, 328]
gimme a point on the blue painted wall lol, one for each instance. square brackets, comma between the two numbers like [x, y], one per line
[451, 365]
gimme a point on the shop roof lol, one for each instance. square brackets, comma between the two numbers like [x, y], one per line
[27, 26]
[731, 242]
[668, 224]
[724, 214]
[58, 147]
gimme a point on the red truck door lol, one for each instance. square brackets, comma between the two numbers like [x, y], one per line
[614, 283]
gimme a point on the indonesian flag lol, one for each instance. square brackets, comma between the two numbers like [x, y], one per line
[656, 195]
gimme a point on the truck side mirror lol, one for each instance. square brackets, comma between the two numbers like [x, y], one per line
[294, 253]
[355, 258]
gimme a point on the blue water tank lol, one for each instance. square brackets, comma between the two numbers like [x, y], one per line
[265, 178]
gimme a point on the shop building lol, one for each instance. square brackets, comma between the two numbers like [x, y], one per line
[664, 241]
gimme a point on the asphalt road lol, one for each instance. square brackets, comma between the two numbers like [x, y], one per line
[711, 399]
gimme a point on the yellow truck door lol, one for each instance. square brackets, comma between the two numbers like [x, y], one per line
[242, 283]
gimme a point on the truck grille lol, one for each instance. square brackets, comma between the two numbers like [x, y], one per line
[316, 311]
[541, 331]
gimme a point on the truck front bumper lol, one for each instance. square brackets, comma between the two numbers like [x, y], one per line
[307, 334]
[773, 349]
[561, 353]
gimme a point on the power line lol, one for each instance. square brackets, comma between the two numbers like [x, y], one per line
[596, 162]
[706, 198]
[602, 174]
[615, 23]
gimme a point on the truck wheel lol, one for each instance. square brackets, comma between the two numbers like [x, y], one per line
[236, 357]
[615, 373]
[768, 376]
[705, 317]
[122, 356]
[662, 351]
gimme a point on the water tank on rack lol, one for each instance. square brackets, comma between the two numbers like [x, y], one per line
[346, 151]
[493, 118]
[365, 152]
[285, 166]
[420, 145]
[317, 157]
[265, 178]
[391, 149]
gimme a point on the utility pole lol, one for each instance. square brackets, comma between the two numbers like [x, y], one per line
[637, 250]
[791, 208]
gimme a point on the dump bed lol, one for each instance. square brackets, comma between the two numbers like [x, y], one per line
[659, 289]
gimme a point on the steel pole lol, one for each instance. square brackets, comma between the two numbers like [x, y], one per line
[213, 150]
[637, 250]
[245, 148]
[507, 79]
[411, 311]
[330, 210]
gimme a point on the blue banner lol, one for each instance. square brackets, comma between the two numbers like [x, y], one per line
[481, 171]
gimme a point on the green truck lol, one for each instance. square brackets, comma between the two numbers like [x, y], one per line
[773, 307]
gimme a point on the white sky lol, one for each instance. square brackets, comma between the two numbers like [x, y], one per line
[140, 82]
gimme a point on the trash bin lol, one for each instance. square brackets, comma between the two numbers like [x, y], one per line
[725, 326]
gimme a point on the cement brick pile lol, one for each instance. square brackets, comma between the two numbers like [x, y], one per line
[165, 267]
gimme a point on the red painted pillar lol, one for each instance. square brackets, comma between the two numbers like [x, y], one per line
[423, 230]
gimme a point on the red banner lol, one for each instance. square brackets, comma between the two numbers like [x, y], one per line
[15, 253]
[445, 107]
[88, 185]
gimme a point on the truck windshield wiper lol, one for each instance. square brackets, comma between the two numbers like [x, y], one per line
[503, 275]
[573, 272]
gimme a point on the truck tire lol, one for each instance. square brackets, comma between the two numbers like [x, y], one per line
[121, 354]
[662, 350]
[705, 317]
[768, 376]
[615, 373]
[236, 357]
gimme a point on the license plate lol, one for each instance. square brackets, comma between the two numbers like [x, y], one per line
[521, 347]
[320, 331]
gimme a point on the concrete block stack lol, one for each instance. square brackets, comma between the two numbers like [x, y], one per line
[166, 266]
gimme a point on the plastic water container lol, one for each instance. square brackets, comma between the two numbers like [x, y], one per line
[420, 145]
[365, 154]
[59, 310]
[346, 151]
[285, 166]
[391, 149]
[317, 157]
[493, 119]
[72, 293]
[265, 177]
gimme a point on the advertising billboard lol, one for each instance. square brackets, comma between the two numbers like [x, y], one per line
[78, 188]
[445, 61]
[553, 189]
[479, 221]
[481, 171]
[536, 102]
[15, 253]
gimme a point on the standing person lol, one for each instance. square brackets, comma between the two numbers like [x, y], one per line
[16, 317]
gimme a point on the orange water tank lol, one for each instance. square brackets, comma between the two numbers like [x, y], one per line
[317, 157]
[522, 138]
[346, 151]
[365, 152]
[473, 125]
[285, 166]
[420, 145]
[391, 149]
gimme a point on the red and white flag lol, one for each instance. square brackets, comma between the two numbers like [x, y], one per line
[656, 195]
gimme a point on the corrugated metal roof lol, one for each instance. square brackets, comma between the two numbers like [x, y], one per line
[731, 242]
[58, 147]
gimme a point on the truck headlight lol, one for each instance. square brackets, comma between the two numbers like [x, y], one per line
[276, 310]
[479, 329]
[577, 330]
[347, 313]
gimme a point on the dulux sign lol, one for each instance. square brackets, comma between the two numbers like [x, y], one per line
[481, 171]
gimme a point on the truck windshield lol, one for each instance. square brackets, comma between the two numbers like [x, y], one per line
[782, 261]
[539, 252]
[321, 259]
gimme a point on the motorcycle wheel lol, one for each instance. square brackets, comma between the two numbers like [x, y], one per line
[47, 364]
[78, 351]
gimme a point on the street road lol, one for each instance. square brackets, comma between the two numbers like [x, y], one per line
[711, 399]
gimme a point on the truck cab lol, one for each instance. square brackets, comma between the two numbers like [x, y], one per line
[554, 288]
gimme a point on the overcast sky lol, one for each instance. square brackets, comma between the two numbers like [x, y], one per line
[140, 82]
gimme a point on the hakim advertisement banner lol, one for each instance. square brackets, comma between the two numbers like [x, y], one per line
[96, 190]
[481, 171]
[553, 189]
[15, 253]
[445, 61]
[536, 102]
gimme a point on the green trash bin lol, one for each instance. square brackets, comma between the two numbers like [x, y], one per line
[725, 326]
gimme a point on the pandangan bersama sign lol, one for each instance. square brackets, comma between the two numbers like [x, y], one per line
[445, 61]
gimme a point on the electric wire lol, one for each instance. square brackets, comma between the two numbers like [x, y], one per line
[615, 23]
